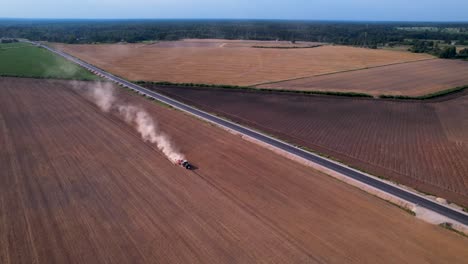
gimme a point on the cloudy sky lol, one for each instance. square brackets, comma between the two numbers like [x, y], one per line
[383, 10]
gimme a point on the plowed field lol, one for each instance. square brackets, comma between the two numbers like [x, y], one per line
[413, 79]
[228, 62]
[80, 186]
[420, 144]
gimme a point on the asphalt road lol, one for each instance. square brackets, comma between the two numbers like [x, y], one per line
[340, 168]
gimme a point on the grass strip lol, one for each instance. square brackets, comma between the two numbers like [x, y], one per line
[449, 226]
[50, 77]
[282, 47]
[248, 88]
[426, 96]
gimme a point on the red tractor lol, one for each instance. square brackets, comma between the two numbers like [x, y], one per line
[185, 164]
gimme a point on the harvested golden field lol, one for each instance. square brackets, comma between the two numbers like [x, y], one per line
[80, 186]
[228, 62]
[412, 79]
[228, 43]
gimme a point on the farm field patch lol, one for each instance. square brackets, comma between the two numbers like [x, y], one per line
[420, 144]
[80, 186]
[229, 62]
[26, 60]
[411, 79]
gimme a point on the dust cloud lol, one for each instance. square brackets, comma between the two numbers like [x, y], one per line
[103, 95]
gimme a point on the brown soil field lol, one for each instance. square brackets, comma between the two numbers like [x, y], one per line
[228, 62]
[80, 186]
[413, 79]
[420, 144]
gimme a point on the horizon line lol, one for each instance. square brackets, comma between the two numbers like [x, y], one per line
[247, 19]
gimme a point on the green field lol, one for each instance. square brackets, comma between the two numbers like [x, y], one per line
[26, 60]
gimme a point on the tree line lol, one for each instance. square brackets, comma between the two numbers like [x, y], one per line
[367, 34]
[434, 48]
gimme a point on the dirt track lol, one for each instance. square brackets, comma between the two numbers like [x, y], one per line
[419, 144]
[413, 79]
[228, 62]
[79, 186]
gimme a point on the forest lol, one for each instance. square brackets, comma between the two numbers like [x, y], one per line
[367, 34]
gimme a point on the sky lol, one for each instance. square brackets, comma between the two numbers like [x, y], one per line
[374, 10]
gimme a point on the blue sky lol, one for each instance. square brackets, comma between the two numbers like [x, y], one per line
[386, 10]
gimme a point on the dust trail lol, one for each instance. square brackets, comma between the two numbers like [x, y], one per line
[148, 129]
[103, 95]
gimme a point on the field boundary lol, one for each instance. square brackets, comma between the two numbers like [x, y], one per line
[253, 89]
[49, 78]
[344, 71]
[18, 47]
[285, 47]
[401, 98]
[437, 94]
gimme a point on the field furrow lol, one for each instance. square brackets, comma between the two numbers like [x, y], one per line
[413, 143]
[81, 186]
